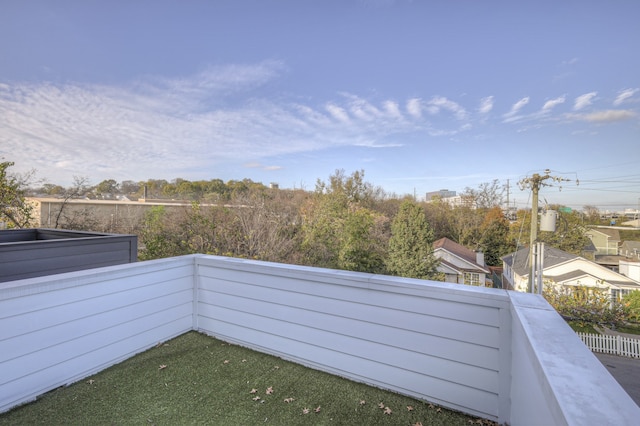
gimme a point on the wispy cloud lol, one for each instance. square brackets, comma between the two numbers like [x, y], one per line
[438, 103]
[218, 118]
[571, 61]
[338, 113]
[583, 101]
[608, 116]
[486, 105]
[257, 165]
[512, 115]
[624, 95]
[414, 107]
[213, 118]
[550, 104]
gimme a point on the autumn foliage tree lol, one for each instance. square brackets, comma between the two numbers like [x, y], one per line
[14, 209]
[411, 244]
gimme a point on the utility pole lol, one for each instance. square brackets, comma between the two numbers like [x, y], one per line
[507, 194]
[535, 182]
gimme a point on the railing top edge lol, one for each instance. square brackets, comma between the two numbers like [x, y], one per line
[351, 278]
[10, 289]
[574, 376]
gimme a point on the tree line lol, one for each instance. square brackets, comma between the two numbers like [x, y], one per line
[345, 222]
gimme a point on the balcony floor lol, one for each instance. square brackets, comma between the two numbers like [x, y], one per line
[196, 379]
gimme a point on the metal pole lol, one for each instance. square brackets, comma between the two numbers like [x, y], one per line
[535, 187]
[540, 265]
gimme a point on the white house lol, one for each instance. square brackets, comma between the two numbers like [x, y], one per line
[566, 269]
[460, 264]
[630, 268]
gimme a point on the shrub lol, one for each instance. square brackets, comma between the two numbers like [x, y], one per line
[585, 304]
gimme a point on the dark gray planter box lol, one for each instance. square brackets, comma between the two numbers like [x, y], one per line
[28, 253]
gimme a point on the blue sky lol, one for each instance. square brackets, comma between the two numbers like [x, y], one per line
[421, 95]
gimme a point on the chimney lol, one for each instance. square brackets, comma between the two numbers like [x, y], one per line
[480, 257]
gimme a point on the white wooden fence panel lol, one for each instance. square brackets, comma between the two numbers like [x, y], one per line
[502, 355]
[58, 329]
[378, 332]
[610, 344]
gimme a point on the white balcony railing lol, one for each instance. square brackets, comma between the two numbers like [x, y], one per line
[501, 355]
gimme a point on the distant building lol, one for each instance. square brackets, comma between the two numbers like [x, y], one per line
[443, 193]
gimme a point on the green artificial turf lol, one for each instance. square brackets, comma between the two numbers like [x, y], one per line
[196, 379]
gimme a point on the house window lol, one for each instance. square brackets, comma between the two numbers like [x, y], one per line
[618, 294]
[471, 278]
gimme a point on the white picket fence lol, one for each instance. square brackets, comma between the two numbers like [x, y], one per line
[610, 344]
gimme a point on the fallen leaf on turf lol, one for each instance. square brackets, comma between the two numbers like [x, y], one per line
[305, 411]
[254, 390]
[288, 400]
[255, 398]
[362, 402]
[244, 360]
[226, 361]
[381, 405]
[162, 367]
[432, 406]
[409, 408]
[91, 381]
[276, 367]
[317, 410]
[438, 410]
[269, 390]
[417, 424]
[387, 410]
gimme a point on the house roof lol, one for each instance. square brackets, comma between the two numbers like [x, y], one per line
[608, 259]
[455, 248]
[578, 273]
[519, 261]
[460, 251]
[631, 245]
[614, 234]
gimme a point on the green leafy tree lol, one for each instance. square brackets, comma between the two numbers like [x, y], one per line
[107, 187]
[338, 231]
[440, 217]
[585, 304]
[15, 210]
[157, 239]
[411, 244]
[569, 235]
[494, 239]
[631, 303]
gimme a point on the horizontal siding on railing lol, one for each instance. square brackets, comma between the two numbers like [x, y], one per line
[410, 336]
[59, 330]
[609, 344]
